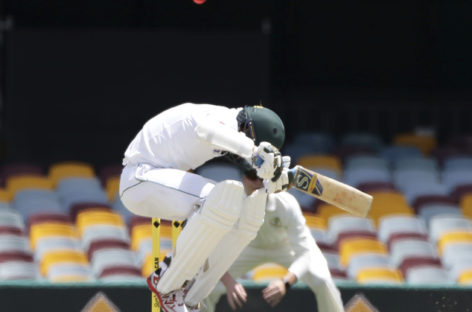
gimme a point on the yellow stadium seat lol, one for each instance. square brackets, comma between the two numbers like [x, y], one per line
[87, 218]
[48, 229]
[466, 205]
[139, 233]
[61, 170]
[5, 196]
[316, 222]
[453, 237]
[356, 245]
[326, 211]
[112, 187]
[321, 161]
[268, 272]
[61, 256]
[21, 182]
[465, 278]
[379, 275]
[425, 143]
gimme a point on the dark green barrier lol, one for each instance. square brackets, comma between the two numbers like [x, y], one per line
[25, 296]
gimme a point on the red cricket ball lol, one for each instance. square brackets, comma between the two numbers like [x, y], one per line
[199, 1]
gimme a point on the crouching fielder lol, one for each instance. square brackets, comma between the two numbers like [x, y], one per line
[155, 182]
[285, 239]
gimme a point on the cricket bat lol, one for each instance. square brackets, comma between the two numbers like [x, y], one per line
[331, 191]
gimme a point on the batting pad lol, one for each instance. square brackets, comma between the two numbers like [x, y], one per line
[203, 232]
[229, 248]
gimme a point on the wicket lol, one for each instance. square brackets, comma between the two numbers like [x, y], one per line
[156, 251]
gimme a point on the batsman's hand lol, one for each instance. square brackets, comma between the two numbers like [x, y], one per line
[266, 160]
[280, 181]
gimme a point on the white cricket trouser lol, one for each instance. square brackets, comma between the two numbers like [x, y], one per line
[163, 193]
[317, 277]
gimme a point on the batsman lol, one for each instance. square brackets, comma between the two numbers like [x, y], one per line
[156, 182]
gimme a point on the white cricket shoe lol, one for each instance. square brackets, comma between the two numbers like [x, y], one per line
[171, 302]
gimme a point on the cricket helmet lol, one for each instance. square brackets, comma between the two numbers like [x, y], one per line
[262, 124]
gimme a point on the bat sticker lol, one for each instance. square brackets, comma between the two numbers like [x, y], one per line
[307, 182]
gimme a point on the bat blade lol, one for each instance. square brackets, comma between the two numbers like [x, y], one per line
[331, 191]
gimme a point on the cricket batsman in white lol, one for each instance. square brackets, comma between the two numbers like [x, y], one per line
[283, 238]
[156, 182]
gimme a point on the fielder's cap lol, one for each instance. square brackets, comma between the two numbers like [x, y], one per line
[262, 124]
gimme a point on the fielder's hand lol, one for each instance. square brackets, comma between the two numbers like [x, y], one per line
[280, 182]
[266, 160]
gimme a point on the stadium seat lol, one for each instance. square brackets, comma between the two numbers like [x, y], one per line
[73, 272]
[457, 162]
[354, 246]
[112, 187]
[416, 163]
[56, 257]
[408, 248]
[465, 277]
[391, 224]
[88, 218]
[67, 169]
[398, 236]
[425, 143]
[365, 162]
[406, 178]
[17, 169]
[12, 219]
[14, 243]
[268, 272]
[24, 182]
[379, 276]
[50, 229]
[454, 252]
[120, 274]
[442, 224]
[112, 257]
[103, 232]
[54, 243]
[427, 275]
[108, 243]
[344, 223]
[366, 260]
[395, 152]
[75, 209]
[466, 205]
[32, 201]
[18, 266]
[429, 211]
[377, 186]
[453, 238]
[422, 200]
[357, 176]
[419, 261]
[454, 178]
[317, 162]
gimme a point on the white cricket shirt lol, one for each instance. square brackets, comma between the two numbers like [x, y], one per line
[284, 224]
[169, 140]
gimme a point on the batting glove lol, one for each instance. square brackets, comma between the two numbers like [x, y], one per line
[280, 182]
[266, 160]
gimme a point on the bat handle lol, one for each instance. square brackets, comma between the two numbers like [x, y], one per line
[291, 174]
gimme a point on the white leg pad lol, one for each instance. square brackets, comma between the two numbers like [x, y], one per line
[229, 247]
[203, 232]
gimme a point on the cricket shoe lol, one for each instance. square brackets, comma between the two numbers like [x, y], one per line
[171, 302]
